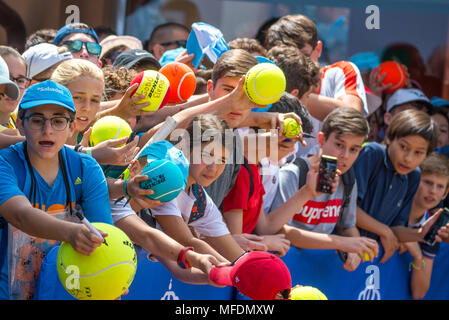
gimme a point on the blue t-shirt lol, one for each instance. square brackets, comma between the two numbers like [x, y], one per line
[383, 193]
[51, 199]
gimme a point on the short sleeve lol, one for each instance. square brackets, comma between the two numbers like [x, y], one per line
[10, 185]
[95, 193]
[237, 198]
[288, 185]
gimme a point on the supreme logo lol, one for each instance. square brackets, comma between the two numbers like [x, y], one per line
[315, 212]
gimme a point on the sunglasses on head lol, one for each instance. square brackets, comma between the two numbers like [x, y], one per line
[179, 43]
[76, 45]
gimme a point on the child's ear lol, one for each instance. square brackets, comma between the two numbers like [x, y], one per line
[295, 92]
[321, 138]
[210, 88]
[19, 124]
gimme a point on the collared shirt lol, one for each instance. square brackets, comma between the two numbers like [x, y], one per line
[383, 193]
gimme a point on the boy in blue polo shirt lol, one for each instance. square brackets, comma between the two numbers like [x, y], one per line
[388, 178]
[42, 180]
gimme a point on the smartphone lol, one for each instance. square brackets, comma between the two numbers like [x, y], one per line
[342, 255]
[443, 219]
[326, 175]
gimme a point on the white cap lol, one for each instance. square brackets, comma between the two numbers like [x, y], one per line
[12, 90]
[406, 95]
[43, 56]
[113, 41]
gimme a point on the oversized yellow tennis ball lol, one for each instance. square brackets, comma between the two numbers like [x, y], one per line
[291, 128]
[109, 127]
[307, 293]
[105, 274]
[265, 83]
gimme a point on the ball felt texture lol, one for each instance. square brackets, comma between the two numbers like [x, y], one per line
[265, 83]
[307, 293]
[156, 88]
[182, 81]
[291, 128]
[109, 127]
[104, 275]
[395, 75]
[164, 178]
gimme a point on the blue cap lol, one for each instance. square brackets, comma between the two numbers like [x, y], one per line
[206, 39]
[261, 59]
[47, 92]
[439, 102]
[170, 55]
[66, 30]
[365, 61]
[164, 150]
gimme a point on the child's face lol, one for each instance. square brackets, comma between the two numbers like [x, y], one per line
[443, 130]
[17, 69]
[407, 153]
[211, 165]
[87, 93]
[45, 142]
[345, 147]
[223, 87]
[431, 190]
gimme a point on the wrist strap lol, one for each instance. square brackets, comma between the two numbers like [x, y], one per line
[412, 265]
[182, 261]
[77, 148]
[125, 190]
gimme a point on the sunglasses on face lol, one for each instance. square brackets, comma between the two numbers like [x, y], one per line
[179, 43]
[76, 45]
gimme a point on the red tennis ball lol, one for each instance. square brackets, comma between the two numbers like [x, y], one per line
[395, 75]
[156, 88]
[182, 81]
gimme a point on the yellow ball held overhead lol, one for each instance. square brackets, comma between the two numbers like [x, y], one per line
[265, 83]
[104, 275]
[306, 293]
[109, 127]
[291, 128]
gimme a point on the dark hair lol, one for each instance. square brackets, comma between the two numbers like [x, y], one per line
[413, 122]
[117, 80]
[202, 76]
[300, 71]
[40, 36]
[160, 32]
[233, 63]
[262, 31]
[250, 45]
[292, 30]
[289, 103]
[345, 120]
[206, 124]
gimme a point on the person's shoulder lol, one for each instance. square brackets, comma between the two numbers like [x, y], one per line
[373, 148]
[13, 150]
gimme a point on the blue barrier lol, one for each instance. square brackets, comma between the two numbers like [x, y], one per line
[318, 268]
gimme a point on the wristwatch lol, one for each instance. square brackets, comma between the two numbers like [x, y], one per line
[182, 262]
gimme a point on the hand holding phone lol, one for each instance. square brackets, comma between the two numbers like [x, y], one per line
[326, 174]
[442, 220]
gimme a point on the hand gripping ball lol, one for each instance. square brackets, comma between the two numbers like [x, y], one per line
[395, 75]
[105, 274]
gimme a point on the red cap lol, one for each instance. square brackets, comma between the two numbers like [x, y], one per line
[259, 275]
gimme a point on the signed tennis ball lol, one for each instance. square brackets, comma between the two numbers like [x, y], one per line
[109, 127]
[307, 293]
[156, 88]
[265, 83]
[395, 75]
[291, 128]
[182, 81]
[104, 275]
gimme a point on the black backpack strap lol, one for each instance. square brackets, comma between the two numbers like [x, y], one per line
[303, 169]
[251, 182]
[348, 179]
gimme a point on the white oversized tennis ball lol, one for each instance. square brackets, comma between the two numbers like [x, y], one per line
[156, 88]
[265, 83]
[291, 128]
[104, 275]
[109, 127]
[307, 293]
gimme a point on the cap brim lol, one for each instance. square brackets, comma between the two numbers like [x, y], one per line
[12, 90]
[373, 101]
[141, 59]
[221, 275]
[35, 103]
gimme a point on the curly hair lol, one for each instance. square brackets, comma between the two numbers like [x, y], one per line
[117, 80]
[300, 71]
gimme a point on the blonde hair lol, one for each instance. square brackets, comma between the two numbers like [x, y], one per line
[70, 70]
